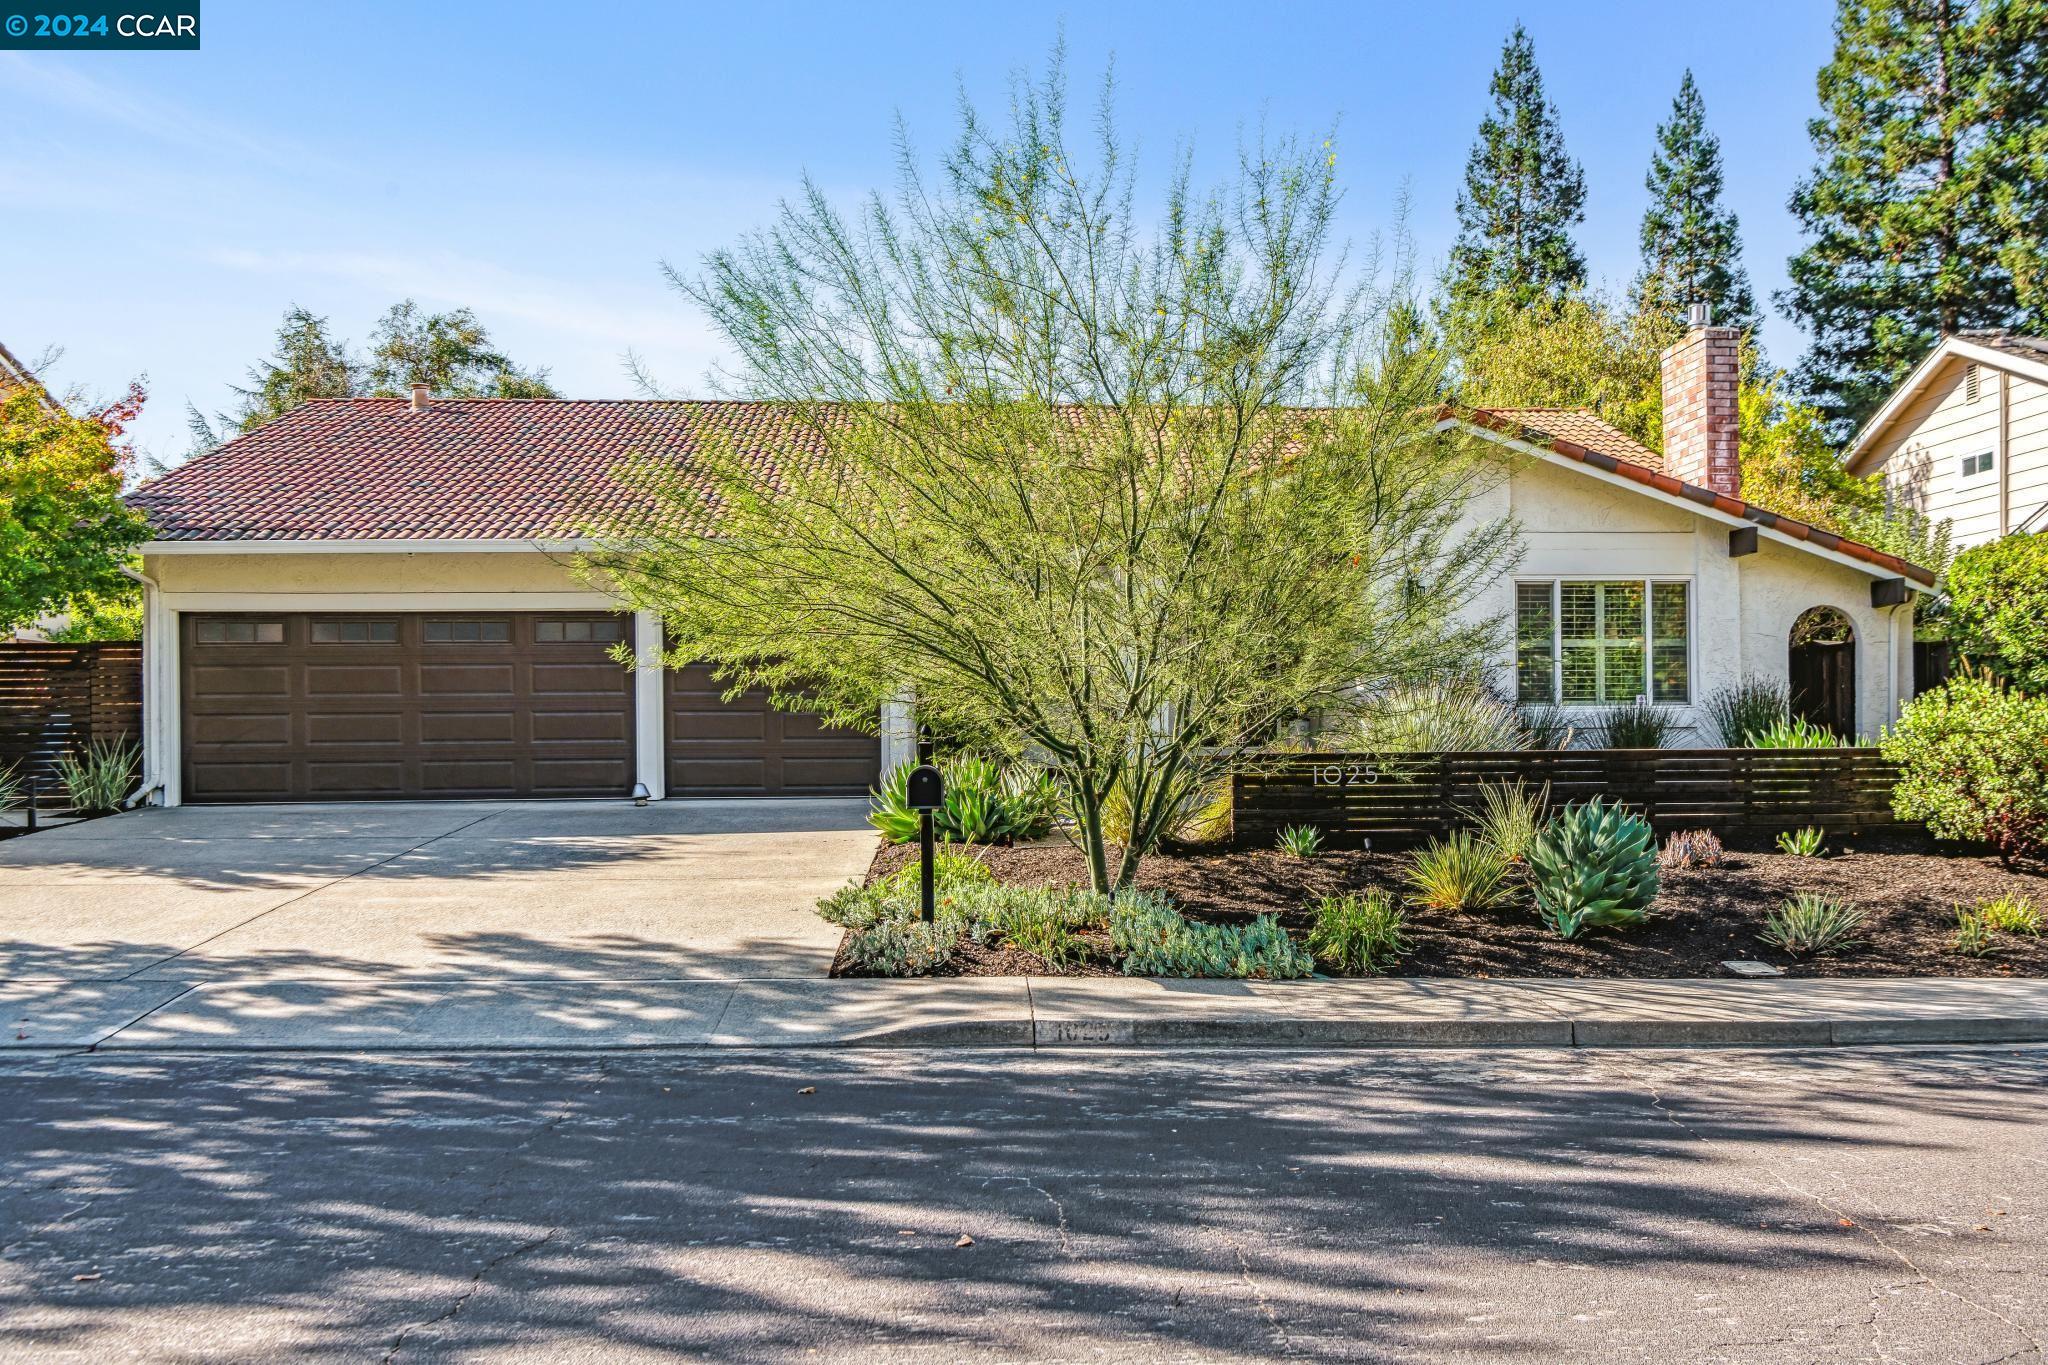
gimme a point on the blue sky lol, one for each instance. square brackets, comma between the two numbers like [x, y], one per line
[537, 162]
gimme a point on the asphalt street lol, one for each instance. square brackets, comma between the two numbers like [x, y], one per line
[1087, 1206]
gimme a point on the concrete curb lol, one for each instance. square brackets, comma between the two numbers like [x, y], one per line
[422, 1016]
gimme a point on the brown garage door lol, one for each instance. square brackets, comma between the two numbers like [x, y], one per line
[286, 707]
[744, 747]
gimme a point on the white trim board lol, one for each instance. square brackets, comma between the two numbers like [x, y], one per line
[391, 601]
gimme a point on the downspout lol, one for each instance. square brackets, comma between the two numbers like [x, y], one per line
[150, 783]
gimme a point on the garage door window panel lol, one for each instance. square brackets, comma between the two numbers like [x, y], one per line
[355, 632]
[467, 632]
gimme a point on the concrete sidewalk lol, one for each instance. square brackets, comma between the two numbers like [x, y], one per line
[452, 1014]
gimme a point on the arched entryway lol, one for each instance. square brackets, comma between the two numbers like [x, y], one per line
[1823, 669]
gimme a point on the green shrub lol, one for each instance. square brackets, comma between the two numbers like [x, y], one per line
[1974, 760]
[1633, 725]
[950, 869]
[1457, 872]
[1510, 817]
[1436, 717]
[1043, 920]
[1358, 934]
[900, 947]
[1155, 939]
[1802, 843]
[1998, 608]
[1797, 733]
[1301, 841]
[1739, 713]
[984, 803]
[2012, 914]
[98, 778]
[1595, 865]
[1974, 936]
[1692, 848]
[1808, 925]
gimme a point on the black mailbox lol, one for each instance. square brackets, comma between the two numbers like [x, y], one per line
[927, 790]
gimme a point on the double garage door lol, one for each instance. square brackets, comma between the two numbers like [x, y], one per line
[396, 706]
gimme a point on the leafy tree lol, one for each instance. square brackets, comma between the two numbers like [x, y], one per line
[63, 527]
[308, 363]
[1119, 496]
[1523, 195]
[450, 352]
[1692, 245]
[101, 616]
[1928, 206]
[1998, 608]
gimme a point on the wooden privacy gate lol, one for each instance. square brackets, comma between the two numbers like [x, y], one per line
[55, 699]
[1400, 799]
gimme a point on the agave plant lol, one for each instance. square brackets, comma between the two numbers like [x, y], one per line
[1595, 865]
[1797, 733]
[1802, 843]
[1301, 841]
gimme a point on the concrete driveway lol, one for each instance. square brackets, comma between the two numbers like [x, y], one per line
[480, 892]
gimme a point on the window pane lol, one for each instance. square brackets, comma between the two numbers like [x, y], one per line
[1533, 629]
[466, 632]
[548, 632]
[1622, 646]
[1670, 676]
[1578, 635]
[269, 633]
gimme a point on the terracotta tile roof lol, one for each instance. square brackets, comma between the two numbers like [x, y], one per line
[537, 469]
[1501, 420]
[1582, 429]
[464, 469]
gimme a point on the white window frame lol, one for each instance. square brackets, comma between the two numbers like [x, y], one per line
[1980, 464]
[1556, 585]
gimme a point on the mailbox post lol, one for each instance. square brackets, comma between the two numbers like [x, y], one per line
[927, 791]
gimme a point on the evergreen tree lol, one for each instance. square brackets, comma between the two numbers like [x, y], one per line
[450, 352]
[1692, 247]
[1523, 194]
[1928, 204]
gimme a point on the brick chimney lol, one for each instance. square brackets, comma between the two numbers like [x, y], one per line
[1701, 373]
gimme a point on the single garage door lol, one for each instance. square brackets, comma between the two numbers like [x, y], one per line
[287, 707]
[745, 747]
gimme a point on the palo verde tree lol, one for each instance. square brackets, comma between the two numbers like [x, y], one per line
[1119, 496]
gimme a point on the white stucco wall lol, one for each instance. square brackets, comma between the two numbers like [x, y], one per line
[1575, 524]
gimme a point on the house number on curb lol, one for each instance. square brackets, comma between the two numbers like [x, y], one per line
[1345, 774]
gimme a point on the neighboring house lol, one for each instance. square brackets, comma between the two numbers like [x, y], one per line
[1965, 437]
[364, 599]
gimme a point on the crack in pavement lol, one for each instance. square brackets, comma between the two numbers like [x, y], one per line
[1059, 1209]
[504, 1166]
[2034, 1343]
[1265, 1305]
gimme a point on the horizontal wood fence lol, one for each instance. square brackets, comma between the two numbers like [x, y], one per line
[1401, 799]
[55, 699]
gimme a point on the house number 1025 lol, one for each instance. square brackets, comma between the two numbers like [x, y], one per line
[1345, 774]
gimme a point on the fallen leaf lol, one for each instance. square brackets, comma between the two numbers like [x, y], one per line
[1845, 1222]
[906, 1232]
[808, 1090]
[85, 1279]
[965, 1241]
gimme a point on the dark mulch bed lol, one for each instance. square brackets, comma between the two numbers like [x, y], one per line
[1909, 886]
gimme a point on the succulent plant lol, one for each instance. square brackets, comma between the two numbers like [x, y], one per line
[1594, 866]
